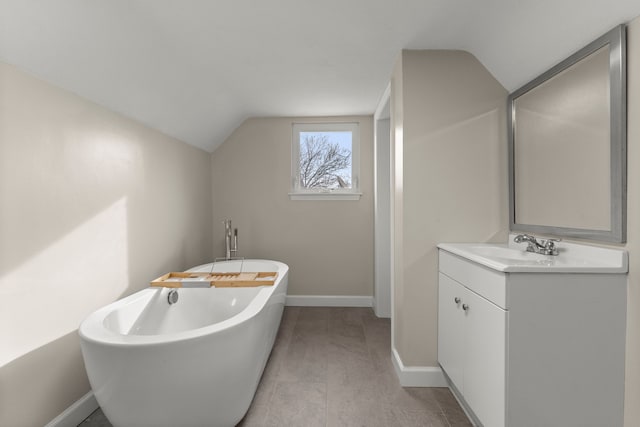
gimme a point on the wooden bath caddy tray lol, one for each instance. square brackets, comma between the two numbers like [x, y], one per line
[219, 280]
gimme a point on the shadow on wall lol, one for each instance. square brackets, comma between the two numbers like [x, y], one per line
[92, 207]
[56, 373]
[46, 295]
[44, 299]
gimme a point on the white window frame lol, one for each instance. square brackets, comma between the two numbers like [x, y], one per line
[300, 193]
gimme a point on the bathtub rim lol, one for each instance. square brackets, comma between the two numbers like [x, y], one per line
[92, 328]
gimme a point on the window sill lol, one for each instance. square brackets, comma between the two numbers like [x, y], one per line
[325, 196]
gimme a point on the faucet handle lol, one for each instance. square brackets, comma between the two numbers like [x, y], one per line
[550, 246]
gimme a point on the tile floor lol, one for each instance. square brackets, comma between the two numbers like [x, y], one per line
[332, 367]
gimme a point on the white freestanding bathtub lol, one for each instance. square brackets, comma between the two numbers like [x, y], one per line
[196, 362]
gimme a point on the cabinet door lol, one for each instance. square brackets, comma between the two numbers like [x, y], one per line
[451, 333]
[484, 364]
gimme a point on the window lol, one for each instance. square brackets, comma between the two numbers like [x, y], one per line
[325, 161]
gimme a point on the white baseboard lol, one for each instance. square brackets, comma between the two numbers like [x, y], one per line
[328, 301]
[76, 413]
[417, 376]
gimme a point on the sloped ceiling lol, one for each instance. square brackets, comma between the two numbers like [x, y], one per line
[195, 69]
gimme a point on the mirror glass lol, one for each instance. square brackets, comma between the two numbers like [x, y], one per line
[567, 146]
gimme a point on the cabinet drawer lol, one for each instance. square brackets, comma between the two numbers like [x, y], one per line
[485, 282]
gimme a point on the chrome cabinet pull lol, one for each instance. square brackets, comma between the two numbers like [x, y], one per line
[465, 307]
[457, 300]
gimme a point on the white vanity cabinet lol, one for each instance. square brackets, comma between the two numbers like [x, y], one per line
[472, 338]
[534, 349]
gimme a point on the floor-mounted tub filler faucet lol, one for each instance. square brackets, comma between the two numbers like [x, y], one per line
[230, 240]
[544, 247]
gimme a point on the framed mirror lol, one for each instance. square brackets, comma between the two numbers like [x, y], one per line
[567, 146]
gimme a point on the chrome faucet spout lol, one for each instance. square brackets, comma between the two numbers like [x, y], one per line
[521, 238]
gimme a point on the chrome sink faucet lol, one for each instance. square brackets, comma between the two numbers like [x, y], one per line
[230, 240]
[544, 247]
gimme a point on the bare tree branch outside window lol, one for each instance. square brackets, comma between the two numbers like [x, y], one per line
[323, 164]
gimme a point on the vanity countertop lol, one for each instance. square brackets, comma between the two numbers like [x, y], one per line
[512, 258]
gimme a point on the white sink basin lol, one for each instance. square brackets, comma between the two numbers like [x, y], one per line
[572, 258]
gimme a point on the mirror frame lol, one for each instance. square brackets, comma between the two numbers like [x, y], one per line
[616, 40]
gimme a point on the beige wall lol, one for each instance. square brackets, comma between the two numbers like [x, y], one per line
[632, 392]
[328, 245]
[92, 207]
[398, 323]
[448, 116]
